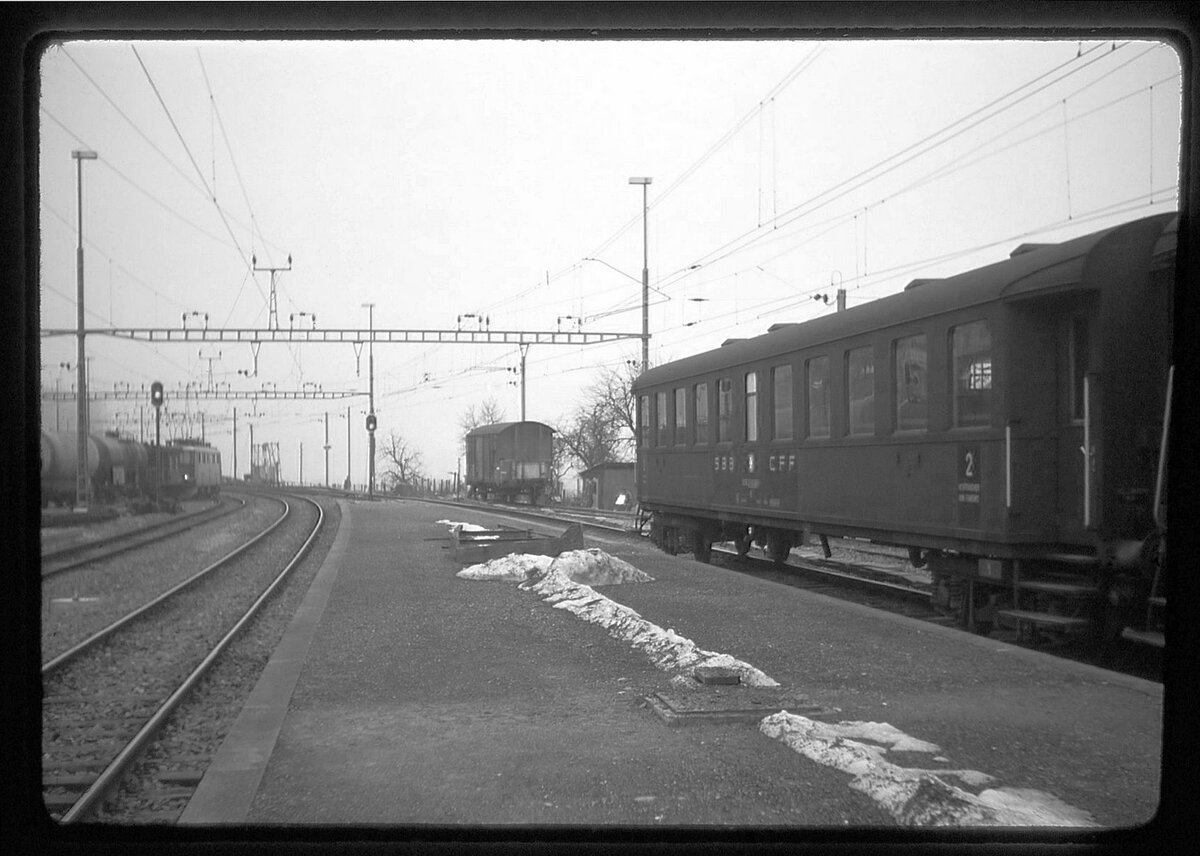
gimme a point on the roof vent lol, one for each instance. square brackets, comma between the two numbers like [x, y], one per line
[917, 283]
[1027, 248]
[731, 341]
[782, 326]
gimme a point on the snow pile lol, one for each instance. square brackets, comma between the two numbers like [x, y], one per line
[515, 568]
[596, 568]
[456, 527]
[916, 797]
[592, 566]
[463, 527]
[665, 648]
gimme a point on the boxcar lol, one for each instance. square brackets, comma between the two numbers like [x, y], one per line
[509, 459]
[1007, 425]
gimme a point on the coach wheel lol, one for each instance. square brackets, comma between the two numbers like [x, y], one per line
[915, 558]
[701, 546]
[779, 546]
[742, 543]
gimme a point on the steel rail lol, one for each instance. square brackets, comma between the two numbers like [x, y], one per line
[799, 564]
[72, 653]
[133, 537]
[111, 774]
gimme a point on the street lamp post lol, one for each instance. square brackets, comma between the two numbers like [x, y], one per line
[82, 486]
[348, 470]
[645, 183]
[370, 307]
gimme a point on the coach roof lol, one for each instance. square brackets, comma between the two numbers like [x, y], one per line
[1031, 268]
[501, 427]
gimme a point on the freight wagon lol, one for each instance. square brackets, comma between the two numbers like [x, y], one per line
[510, 459]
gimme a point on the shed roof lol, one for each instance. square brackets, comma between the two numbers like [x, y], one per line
[608, 465]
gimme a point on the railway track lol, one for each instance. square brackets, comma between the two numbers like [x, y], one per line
[79, 555]
[106, 698]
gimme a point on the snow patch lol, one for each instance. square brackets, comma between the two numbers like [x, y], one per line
[456, 528]
[883, 732]
[595, 567]
[664, 647]
[515, 567]
[916, 797]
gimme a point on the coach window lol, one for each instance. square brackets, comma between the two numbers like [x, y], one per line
[644, 419]
[661, 439]
[816, 373]
[724, 410]
[781, 389]
[910, 391]
[971, 357]
[701, 412]
[680, 416]
[751, 406]
[860, 382]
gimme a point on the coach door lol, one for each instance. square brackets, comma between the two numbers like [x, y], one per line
[1079, 422]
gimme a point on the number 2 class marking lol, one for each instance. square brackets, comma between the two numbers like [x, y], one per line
[970, 461]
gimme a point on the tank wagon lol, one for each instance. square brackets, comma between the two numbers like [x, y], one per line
[116, 466]
[509, 459]
[120, 468]
[1007, 425]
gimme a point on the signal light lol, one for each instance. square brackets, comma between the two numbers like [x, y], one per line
[370, 421]
[156, 394]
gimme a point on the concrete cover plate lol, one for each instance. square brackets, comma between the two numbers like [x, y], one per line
[730, 704]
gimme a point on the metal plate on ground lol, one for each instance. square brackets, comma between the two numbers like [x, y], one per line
[472, 547]
[715, 704]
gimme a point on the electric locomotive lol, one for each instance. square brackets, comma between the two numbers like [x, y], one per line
[189, 468]
[1008, 425]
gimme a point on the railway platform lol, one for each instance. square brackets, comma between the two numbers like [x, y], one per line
[404, 694]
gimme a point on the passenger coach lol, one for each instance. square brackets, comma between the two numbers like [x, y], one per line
[1005, 424]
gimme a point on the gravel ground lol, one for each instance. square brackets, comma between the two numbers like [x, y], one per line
[57, 536]
[196, 729]
[431, 699]
[77, 603]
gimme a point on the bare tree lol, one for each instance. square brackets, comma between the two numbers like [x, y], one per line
[613, 393]
[560, 461]
[402, 460]
[488, 412]
[603, 428]
[590, 436]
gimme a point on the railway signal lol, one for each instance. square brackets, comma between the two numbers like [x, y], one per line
[371, 422]
[156, 398]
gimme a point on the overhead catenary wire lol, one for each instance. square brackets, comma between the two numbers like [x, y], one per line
[899, 158]
[199, 172]
[195, 185]
[859, 275]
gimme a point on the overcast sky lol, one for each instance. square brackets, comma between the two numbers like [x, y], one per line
[438, 179]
